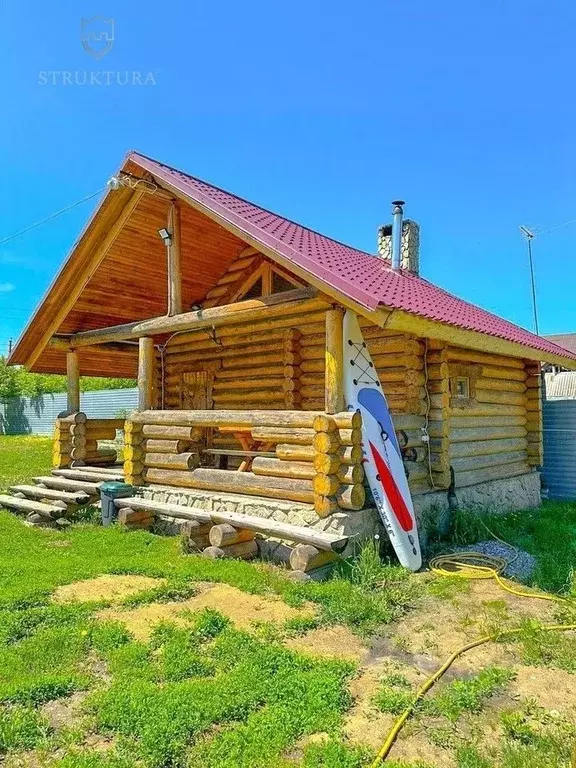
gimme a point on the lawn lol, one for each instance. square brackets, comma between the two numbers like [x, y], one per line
[160, 676]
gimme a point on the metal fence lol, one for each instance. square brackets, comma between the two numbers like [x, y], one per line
[36, 415]
[559, 470]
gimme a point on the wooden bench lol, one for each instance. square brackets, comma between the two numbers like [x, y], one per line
[251, 448]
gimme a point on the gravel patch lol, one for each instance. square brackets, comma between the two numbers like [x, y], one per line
[521, 566]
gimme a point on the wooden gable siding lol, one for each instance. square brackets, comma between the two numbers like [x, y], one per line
[131, 282]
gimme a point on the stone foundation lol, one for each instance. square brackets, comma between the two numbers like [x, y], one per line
[357, 526]
[432, 510]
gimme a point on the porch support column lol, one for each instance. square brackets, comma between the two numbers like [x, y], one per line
[334, 387]
[145, 372]
[73, 381]
[174, 262]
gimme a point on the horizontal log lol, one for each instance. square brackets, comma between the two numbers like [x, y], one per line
[351, 436]
[324, 506]
[407, 421]
[276, 435]
[166, 446]
[488, 446]
[469, 463]
[395, 345]
[131, 518]
[224, 534]
[323, 422]
[105, 459]
[330, 463]
[172, 461]
[302, 470]
[245, 550]
[504, 398]
[508, 374]
[381, 362]
[350, 475]
[302, 534]
[489, 409]
[133, 468]
[305, 557]
[327, 442]
[289, 452]
[464, 421]
[27, 505]
[259, 382]
[271, 371]
[464, 479]
[91, 488]
[459, 354]
[241, 419]
[485, 433]
[326, 485]
[72, 418]
[351, 496]
[305, 320]
[110, 424]
[255, 396]
[501, 385]
[276, 305]
[234, 482]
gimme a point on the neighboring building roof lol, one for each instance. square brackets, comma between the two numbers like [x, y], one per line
[565, 340]
[359, 275]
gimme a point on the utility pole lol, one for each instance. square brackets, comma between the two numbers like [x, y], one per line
[529, 237]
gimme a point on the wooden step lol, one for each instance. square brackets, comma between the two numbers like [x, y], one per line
[116, 470]
[34, 492]
[63, 484]
[89, 477]
[26, 505]
[322, 540]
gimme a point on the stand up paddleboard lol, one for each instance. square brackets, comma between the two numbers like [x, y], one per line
[382, 457]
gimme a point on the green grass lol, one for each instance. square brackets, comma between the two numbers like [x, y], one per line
[451, 701]
[23, 457]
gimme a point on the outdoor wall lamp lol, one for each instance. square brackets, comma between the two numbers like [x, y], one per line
[166, 236]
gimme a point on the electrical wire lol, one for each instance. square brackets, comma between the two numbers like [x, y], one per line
[50, 218]
[468, 565]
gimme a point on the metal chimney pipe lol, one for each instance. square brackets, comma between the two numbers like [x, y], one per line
[398, 213]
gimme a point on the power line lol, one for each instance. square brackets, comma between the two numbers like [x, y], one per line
[50, 218]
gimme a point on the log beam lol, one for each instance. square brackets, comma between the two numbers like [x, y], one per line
[174, 262]
[145, 373]
[72, 382]
[296, 302]
[334, 389]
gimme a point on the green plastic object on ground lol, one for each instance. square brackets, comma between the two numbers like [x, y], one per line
[109, 492]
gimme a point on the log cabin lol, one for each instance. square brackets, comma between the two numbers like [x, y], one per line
[230, 317]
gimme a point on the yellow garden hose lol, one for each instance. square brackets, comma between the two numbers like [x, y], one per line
[467, 565]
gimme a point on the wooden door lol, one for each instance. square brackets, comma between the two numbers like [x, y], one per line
[196, 390]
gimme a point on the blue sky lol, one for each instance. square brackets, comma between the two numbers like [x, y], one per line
[322, 111]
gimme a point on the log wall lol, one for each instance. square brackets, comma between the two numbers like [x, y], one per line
[486, 434]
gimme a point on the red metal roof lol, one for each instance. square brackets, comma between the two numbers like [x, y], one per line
[363, 277]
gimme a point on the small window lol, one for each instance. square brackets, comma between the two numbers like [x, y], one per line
[462, 387]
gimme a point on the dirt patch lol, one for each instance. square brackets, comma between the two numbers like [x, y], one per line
[336, 642]
[110, 587]
[551, 688]
[240, 607]
[64, 713]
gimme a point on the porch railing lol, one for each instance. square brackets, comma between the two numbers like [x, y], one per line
[301, 456]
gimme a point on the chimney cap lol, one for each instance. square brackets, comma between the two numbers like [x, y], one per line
[399, 202]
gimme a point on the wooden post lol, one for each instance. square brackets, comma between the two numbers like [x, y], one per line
[73, 382]
[145, 372]
[174, 266]
[334, 391]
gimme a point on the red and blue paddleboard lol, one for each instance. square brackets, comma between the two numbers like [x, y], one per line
[382, 456]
